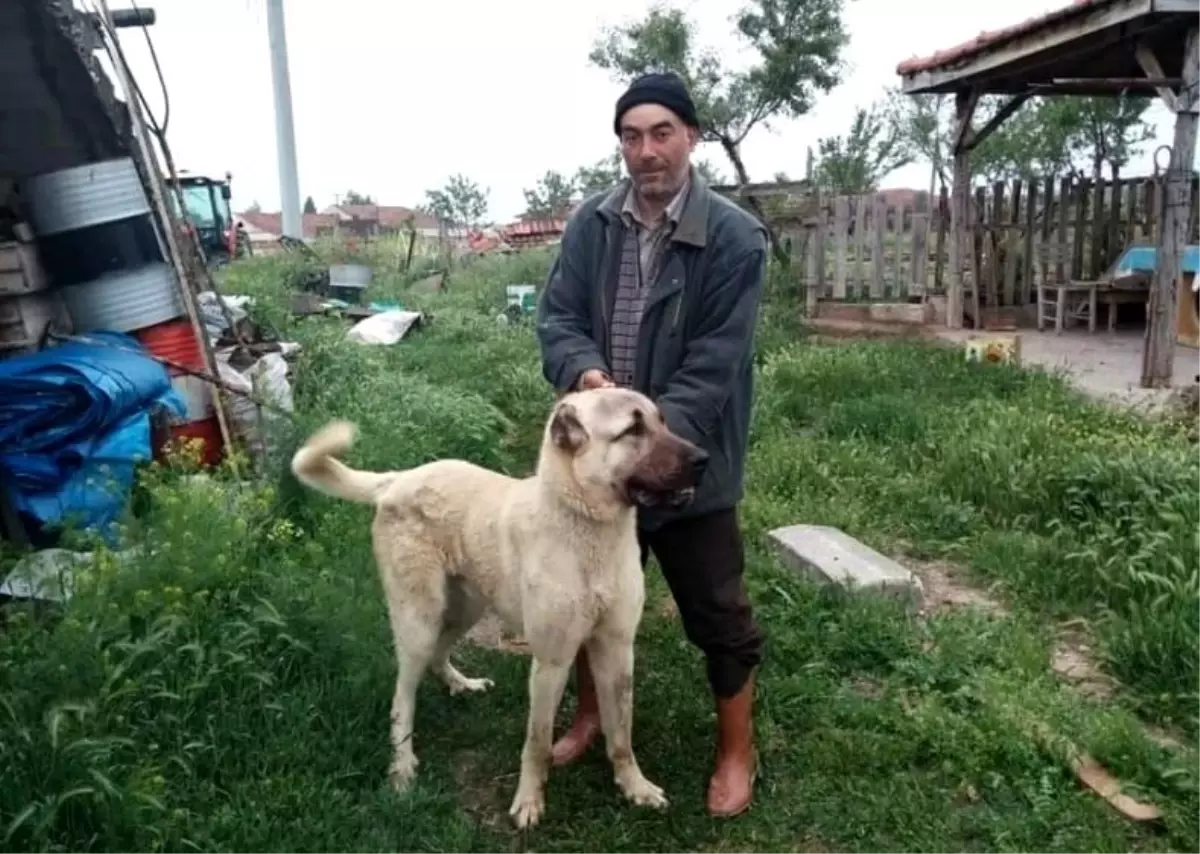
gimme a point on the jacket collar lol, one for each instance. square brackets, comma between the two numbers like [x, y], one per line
[693, 221]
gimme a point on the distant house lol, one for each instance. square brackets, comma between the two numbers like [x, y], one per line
[378, 220]
[348, 220]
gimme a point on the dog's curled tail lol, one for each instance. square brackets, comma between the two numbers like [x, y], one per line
[316, 465]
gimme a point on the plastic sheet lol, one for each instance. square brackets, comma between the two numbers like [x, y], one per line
[74, 421]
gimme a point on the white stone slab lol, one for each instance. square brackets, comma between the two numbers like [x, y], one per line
[830, 556]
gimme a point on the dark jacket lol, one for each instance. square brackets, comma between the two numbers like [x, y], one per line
[695, 346]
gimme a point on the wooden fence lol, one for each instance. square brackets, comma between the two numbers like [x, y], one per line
[894, 245]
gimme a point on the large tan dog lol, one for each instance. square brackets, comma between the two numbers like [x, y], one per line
[555, 555]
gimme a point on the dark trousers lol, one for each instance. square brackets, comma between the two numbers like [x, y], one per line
[702, 560]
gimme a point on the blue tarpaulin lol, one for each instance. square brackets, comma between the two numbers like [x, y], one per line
[74, 421]
[1145, 257]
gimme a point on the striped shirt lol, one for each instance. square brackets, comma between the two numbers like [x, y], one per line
[641, 255]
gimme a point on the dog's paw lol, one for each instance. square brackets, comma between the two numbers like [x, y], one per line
[527, 808]
[402, 772]
[643, 793]
[466, 685]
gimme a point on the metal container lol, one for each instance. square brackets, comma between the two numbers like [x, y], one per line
[125, 301]
[349, 276]
[23, 319]
[348, 281]
[83, 196]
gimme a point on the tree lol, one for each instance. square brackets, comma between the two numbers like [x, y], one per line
[354, 198]
[709, 173]
[796, 43]
[254, 207]
[551, 195]
[922, 125]
[600, 176]
[1046, 136]
[460, 202]
[856, 163]
[310, 207]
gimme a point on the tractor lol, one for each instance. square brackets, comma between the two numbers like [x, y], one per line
[206, 211]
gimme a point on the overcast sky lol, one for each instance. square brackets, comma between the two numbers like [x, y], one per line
[392, 97]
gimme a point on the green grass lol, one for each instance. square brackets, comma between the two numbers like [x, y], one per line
[229, 689]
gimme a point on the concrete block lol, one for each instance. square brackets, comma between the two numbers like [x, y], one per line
[831, 556]
[900, 312]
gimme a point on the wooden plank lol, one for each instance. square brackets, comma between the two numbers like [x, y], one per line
[981, 218]
[1155, 211]
[1082, 199]
[920, 237]
[859, 287]
[811, 291]
[1151, 67]
[841, 235]
[1158, 362]
[960, 216]
[1012, 244]
[942, 219]
[818, 251]
[1031, 203]
[1146, 207]
[1065, 199]
[1116, 210]
[1096, 258]
[895, 281]
[878, 244]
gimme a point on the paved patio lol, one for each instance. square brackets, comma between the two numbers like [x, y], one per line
[1103, 365]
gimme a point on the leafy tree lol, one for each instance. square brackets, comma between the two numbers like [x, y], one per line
[709, 172]
[550, 196]
[310, 207]
[922, 124]
[254, 207]
[1047, 136]
[602, 175]
[460, 202]
[355, 198]
[796, 43]
[855, 163]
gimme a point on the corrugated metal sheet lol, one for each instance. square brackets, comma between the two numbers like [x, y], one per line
[125, 301]
[84, 196]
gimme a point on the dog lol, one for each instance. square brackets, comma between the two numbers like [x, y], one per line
[555, 555]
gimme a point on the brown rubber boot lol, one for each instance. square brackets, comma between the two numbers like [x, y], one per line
[586, 726]
[731, 787]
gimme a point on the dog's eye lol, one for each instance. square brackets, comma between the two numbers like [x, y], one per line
[637, 428]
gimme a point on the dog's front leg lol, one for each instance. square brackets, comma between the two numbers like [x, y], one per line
[546, 683]
[611, 657]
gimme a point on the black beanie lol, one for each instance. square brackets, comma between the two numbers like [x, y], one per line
[666, 90]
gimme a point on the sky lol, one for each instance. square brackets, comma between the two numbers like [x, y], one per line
[390, 98]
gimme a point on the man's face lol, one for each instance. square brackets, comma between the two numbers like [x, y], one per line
[657, 148]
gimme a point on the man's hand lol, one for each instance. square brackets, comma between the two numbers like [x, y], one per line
[594, 378]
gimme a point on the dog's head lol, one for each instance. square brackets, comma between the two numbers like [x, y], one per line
[617, 448]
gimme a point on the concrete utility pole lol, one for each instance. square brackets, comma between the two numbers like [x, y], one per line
[285, 135]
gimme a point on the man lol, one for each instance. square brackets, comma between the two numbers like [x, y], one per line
[656, 287]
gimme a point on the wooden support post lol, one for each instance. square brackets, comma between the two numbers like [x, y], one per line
[1150, 65]
[964, 109]
[998, 118]
[1158, 360]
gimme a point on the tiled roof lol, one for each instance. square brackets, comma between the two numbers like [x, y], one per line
[389, 216]
[994, 38]
[272, 223]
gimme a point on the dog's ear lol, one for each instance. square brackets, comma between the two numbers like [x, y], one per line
[566, 430]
